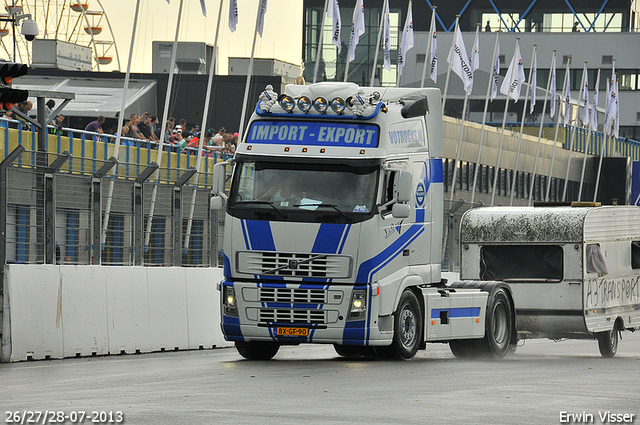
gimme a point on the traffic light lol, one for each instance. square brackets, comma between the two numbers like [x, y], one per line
[9, 95]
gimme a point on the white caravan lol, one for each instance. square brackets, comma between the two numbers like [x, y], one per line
[574, 272]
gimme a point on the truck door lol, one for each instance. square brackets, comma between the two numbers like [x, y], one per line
[395, 234]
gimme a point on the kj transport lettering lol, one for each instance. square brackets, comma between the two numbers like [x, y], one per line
[313, 133]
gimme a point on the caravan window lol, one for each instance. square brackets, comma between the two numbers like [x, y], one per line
[526, 263]
[635, 255]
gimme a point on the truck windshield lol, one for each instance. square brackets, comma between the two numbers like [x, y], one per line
[527, 263]
[303, 192]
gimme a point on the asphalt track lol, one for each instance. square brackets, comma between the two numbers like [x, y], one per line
[310, 384]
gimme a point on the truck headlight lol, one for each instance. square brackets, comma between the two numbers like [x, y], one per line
[358, 304]
[229, 301]
[304, 104]
[287, 103]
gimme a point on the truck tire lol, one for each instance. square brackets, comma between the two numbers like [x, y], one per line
[608, 342]
[407, 329]
[498, 324]
[354, 351]
[257, 350]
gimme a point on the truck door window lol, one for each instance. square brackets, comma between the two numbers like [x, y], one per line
[528, 263]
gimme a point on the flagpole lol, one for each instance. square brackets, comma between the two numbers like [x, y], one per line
[203, 127]
[484, 119]
[249, 72]
[375, 57]
[429, 45]
[524, 113]
[446, 84]
[602, 149]
[589, 133]
[555, 138]
[319, 52]
[573, 139]
[544, 111]
[504, 121]
[123, 105]
[462, 127]
[163, 127]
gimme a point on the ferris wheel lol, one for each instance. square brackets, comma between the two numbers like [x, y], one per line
[71, 21]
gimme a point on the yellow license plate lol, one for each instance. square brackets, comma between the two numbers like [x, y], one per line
[292, 331]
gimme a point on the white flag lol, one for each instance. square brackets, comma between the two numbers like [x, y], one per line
[233, 15]
[594, 109]
[566, 98]
[474, 57]
[611, 103]
[585, 98]
[458, 60]
[204, 8]
[534, 81]
[263, 11]
[407, 40]
[616, 130]
[357, 29]
[387, 37]
[514, 78]
[552, 107]
[333, 12]
[433, 56]
[496, 72]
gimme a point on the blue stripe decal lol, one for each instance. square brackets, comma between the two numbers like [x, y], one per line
[344, 239]
[370, 291]
[260, 236]
[374, 264]
[354, 332]
[436, 175]
[243, 224]
[328, 238]
[226, 265]
[457, 312]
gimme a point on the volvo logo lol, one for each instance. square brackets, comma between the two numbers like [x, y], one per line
[293, 264]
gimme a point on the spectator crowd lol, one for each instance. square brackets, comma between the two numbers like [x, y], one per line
[143, 131]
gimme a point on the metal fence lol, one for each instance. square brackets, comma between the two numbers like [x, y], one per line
[60, 209]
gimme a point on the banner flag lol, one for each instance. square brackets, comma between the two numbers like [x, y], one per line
[514, 78]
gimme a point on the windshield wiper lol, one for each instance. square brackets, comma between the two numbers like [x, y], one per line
[271, 204]
[322, 204]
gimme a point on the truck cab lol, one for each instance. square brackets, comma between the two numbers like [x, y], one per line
[333, 226]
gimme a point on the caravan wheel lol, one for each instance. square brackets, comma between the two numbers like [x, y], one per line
[608, 342]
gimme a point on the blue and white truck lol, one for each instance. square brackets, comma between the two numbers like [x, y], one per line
[333, 230]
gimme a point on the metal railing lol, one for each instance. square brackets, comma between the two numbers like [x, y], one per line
[91, 209]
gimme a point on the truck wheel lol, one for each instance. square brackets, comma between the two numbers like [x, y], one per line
[407, 330]
[498, 324]
[608, 343]
[354, 351]
[257, 350]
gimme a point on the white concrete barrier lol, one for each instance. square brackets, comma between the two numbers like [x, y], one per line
[66, 311]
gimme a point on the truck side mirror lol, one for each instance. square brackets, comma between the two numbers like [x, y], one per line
[219, 179]
[403, 186]
[401, 210]
[216, 202]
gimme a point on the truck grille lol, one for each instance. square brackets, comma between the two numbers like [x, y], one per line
[277, 315]
[321, 266]
[290, 295]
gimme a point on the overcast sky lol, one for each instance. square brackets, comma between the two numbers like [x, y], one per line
[282, 35]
